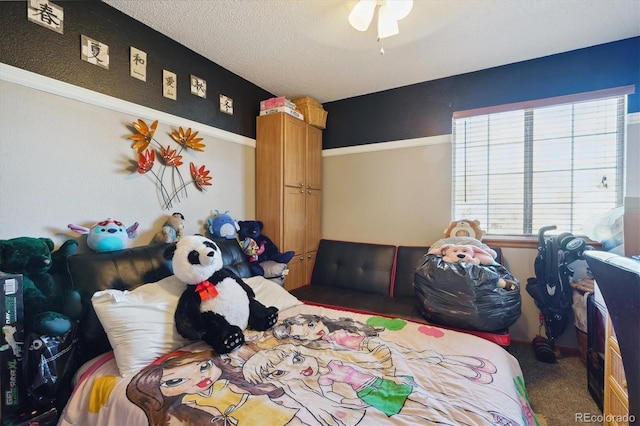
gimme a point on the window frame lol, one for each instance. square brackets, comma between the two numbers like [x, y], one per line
[528, 108]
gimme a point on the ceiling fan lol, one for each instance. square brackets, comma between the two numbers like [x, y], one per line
[389, 13]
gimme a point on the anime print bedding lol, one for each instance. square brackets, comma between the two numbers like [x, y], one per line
[317, 366]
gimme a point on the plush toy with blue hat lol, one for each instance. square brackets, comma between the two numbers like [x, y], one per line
[222, 225]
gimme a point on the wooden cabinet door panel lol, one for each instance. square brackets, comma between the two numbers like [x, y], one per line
[314, 158]
[270, 174]
[295, 136]
[309, 261]
[296, 276]
[294, 220]
[313, 212]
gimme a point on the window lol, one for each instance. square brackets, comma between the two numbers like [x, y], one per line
[519, 167]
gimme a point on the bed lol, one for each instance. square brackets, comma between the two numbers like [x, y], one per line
[318, 366]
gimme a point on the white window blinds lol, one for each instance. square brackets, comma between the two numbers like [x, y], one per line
[517, 170]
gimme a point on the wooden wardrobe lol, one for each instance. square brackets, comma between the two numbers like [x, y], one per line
[289, 189]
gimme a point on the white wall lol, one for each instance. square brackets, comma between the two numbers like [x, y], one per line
[397, 193]
[400, 193]
[65, 161]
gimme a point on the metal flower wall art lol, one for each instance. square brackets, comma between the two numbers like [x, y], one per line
[168, 178]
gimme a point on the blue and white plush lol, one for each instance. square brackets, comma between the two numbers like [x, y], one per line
[216, 306]
[107, 235]
[222, 225]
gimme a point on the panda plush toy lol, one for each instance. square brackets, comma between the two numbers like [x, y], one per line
[217, 305]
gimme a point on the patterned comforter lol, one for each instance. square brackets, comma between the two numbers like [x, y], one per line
[317, 366]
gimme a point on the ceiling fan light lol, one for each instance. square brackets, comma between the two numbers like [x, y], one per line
[399, 9]
[362, 14]
[387, 25]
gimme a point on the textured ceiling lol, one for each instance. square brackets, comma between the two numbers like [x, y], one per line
[307, 47]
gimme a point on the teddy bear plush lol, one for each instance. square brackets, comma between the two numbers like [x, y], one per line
[216, 306]
[171, 230]
[464, 228]
[475, 255]
[270, 269]
[222, 225]
[253, 229]
[49, 304]
[436, 247]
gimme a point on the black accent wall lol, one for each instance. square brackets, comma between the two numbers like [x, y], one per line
[34, 48]
[425, 109]
[415, 111]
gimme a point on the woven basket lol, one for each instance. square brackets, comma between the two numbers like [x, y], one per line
[312, 110]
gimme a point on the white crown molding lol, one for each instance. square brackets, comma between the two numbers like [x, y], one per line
[632, 119]
[385, 146]
[46, 84]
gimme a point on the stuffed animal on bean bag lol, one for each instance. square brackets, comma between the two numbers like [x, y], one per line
[507, 284]
[436, 248]
[216, 305]
[253, 229]
[464, 228]
[49, 306]
[222, 225]
[475, 255]
[107, 235]
[171, 230]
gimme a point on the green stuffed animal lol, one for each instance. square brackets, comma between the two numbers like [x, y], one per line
[49, 305]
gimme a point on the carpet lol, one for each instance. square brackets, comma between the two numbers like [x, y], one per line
[542, 420]
[558, 391]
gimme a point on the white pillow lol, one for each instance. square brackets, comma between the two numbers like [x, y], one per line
[273, 269]
[140, 323]
[271, 294]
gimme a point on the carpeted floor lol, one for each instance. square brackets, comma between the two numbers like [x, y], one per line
[558, 392]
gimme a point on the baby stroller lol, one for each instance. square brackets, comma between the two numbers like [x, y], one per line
[551, 289]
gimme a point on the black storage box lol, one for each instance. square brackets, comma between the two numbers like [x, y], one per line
[11, 344]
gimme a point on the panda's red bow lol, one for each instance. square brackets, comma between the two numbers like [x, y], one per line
[206, 290]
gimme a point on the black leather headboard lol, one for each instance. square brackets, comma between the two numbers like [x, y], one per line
[408, 258]
[354, 266]
[125, 270]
